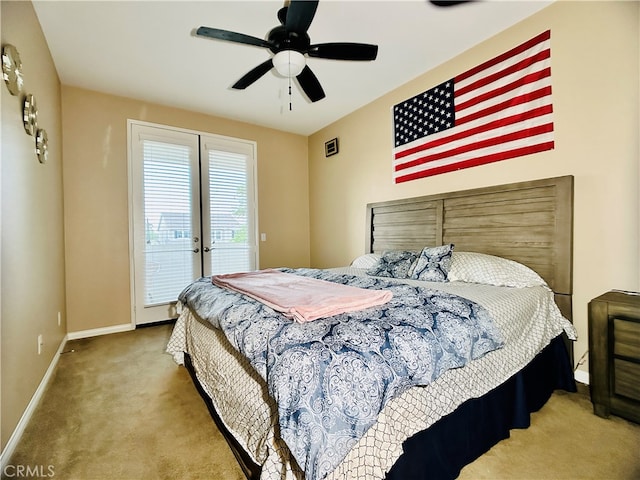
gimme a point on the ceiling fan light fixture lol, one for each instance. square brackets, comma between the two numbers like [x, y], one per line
[289, 63]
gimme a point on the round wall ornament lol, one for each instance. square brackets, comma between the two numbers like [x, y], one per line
[42, 145]
[30, 114]
[12, 69]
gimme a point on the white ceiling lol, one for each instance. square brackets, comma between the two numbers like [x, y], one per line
[147, 50]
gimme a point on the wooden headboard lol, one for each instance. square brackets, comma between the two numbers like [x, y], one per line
[529, 222]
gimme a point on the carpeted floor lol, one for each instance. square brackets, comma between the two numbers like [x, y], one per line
[119, 408]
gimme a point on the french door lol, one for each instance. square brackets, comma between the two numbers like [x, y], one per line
[193, 213]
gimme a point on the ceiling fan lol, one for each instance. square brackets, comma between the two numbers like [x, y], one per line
[291, 44]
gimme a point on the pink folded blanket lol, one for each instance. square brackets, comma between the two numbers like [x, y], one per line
[301, 298]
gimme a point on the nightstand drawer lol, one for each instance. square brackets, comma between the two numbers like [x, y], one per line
[626, 338]
[625, 379]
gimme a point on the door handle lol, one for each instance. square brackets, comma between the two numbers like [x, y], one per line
[206, 249]
[196, 250]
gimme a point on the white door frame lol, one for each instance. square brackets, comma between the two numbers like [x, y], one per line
[131, 193]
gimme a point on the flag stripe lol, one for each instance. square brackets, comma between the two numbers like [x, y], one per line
[531, 78]
[474, 162]
[500, 109]
[529, 88]
[482, 152]
[520, 99]
[487, 142]
[463, 80]
[511, 53]
[516, 67]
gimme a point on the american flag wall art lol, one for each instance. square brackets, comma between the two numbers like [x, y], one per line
[498, 110]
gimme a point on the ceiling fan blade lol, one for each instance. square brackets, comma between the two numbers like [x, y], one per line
[448, 3]
[310, 84]
[300, 14]
[343, 51]
[232, 36]
[253, 75]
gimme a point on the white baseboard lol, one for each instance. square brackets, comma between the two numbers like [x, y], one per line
[125, 327]
[582, 376]
[11, 445]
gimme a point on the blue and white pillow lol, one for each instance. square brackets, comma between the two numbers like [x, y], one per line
[394, 264]
[433, 264]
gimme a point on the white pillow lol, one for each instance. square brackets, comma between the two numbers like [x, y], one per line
[491, 270]
[367, 260]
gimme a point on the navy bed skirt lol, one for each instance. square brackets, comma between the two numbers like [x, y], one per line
[456, 440]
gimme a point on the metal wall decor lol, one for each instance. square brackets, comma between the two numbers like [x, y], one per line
[12, 69]
[12, 76]
[42, 145]
[30, 114]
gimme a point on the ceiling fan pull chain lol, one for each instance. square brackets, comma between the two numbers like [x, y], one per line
[289, 79]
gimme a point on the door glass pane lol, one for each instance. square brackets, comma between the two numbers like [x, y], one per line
[231, 242]
[168, 221]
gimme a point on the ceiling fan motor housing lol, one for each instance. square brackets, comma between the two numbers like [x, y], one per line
[281, 39]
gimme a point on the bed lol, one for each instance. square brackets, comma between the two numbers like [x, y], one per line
[507, 251]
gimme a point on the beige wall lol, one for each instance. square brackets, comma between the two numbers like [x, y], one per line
[32, 253]
[96, 189]
[595, 75]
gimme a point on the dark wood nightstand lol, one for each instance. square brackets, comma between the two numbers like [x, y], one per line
[614, 354]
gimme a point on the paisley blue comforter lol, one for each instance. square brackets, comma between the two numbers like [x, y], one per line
[331, 377]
